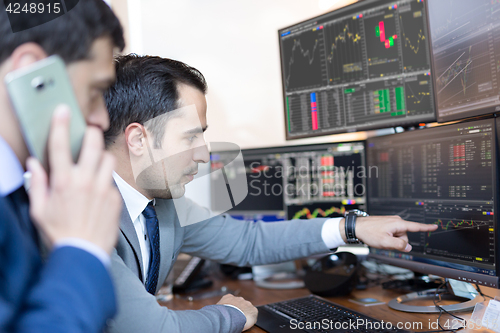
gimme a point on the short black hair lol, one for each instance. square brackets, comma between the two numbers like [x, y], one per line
[70, 36]
[146, 87]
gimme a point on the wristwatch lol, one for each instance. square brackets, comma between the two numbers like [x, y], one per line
[350, 225]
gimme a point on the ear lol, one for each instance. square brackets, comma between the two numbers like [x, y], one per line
[135, 139]
[26, 54]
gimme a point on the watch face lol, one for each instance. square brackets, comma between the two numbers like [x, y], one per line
[357, 212]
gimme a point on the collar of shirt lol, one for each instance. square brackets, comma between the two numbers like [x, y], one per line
[11, 171]
[134, 200]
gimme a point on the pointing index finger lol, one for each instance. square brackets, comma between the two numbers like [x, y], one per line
[416, 227]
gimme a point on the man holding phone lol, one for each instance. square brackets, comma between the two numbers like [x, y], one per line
[74, 207]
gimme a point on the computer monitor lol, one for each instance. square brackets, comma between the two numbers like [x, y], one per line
[466, 57]
[324, 180]
[361, 67]
[297, 182]
[447, 176]
[264, 200]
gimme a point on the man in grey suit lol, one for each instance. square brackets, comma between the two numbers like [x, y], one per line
[158, 110]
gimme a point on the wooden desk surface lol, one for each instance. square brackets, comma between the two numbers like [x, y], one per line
[259, 296]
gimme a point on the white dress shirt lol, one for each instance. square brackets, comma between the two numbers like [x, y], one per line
[11, 178]
[11, 171]
[331, 233]
[136, 203]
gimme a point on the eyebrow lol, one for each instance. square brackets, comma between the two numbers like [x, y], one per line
[196, 130]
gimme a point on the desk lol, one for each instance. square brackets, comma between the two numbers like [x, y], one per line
[259, 296]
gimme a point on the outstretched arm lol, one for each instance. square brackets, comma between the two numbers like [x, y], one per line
[247, 243]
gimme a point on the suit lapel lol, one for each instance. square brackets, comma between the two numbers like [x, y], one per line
[128, 230]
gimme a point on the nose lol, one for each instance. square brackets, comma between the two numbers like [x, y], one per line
[201, 154]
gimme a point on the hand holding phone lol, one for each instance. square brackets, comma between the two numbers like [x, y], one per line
[79, 200]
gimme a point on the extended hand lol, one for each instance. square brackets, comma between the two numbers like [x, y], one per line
[386, 232]
[245, 306]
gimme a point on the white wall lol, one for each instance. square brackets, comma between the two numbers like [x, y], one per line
[234, 43]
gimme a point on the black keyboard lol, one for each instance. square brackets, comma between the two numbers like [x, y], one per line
[314, 314]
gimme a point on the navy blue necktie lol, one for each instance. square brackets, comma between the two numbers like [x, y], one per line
[154, 241]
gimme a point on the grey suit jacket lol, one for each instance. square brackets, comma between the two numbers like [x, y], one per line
[222, 239]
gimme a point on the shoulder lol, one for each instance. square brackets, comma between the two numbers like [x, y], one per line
[185, 211]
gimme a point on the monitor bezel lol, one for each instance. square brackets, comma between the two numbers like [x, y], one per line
[361, 3]
[492, 281]
[476, 114]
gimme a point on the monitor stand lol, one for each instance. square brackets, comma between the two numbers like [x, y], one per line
[467, 303]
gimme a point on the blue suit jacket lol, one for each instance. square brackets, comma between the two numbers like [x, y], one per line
[70, 292]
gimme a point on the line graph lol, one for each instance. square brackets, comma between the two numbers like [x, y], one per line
[455, 224]
[463, 238]
[344, 51]
[303, 60]
[464, 47]
[413, 38]
[344, 36]
[418, 95]
[465, 72]
[305, 53]
[460, 67]
[408, 43]
[417, 98]
[305, 212]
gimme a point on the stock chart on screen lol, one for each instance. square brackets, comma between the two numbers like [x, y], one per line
[444, 176]
[466, 51]
[296, 182]
[363, 66]
[324, 182]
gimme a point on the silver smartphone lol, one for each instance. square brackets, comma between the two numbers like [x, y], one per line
[35, 91]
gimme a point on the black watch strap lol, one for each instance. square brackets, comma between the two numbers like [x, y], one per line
[350, 228]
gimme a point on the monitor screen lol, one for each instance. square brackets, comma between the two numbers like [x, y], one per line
[324, 180]
[264, 200]
[297, 182]
[466, 57]
[360, 67]
[445, 176]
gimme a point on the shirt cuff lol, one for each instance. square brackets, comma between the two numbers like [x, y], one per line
[331, 233]
[87, 246]
[235, 308]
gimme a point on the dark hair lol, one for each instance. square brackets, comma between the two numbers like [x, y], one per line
[70, 36]
[145, 88]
